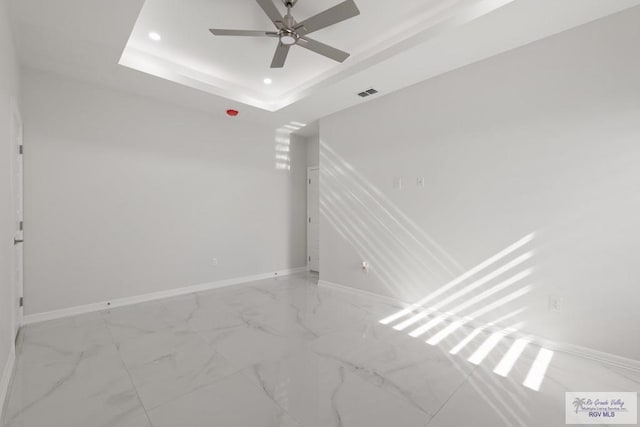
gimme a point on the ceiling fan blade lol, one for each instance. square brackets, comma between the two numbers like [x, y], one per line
[323, 49]
[280, 56]
[338, 13]
[246, 33]
[271, 10]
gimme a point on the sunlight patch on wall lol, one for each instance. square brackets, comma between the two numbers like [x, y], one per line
[283, 144]
[403, 325]
[508, 250]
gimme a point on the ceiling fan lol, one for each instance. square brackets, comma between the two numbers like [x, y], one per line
[290, 32]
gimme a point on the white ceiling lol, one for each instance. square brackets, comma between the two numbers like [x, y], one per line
[392, 47]
[235, 67]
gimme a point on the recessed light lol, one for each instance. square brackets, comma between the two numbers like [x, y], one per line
[154, 36]
[267, 81]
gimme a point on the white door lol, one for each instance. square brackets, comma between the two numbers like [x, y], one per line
[17, 204]
[313, 219]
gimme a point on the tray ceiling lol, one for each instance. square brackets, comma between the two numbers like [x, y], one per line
[236, 67]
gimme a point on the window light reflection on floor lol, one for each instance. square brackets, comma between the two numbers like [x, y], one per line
[511, 356]
[489, 344]
[538, 369]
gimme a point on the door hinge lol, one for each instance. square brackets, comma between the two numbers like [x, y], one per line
[21, 302]
[309, 220]
[309, 181]
[20, 149]
[309, 258]
[21, 225]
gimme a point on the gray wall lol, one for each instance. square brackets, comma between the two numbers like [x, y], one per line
[127, 196]
[544, 139]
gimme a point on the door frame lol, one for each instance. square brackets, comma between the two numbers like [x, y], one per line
[17, 195]
[309, 169]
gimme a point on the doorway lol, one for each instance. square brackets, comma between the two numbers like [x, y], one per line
[17, 184]
[313, 219]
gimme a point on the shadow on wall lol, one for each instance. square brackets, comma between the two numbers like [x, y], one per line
[478, 310]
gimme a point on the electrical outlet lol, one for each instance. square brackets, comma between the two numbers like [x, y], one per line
[214, 261]
[365, 266]
[555, 303]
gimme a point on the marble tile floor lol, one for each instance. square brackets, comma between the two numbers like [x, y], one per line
[278, 353]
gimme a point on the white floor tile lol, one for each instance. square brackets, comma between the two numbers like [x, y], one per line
[283, 353]
[233, 401]
[167, 364]
[86, 388]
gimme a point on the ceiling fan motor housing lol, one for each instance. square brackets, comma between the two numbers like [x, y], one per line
[288, 38]
[288, 35]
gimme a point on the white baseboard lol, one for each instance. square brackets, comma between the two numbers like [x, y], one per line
[5, 381]
[576, 350]
[349, 289]
[120, 302]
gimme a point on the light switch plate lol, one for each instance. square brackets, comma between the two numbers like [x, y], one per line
[397, 183]
[555, 303]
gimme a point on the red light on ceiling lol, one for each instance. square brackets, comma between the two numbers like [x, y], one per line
[232, 113]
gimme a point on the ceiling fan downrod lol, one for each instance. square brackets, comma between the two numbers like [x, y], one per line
[287, 20]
